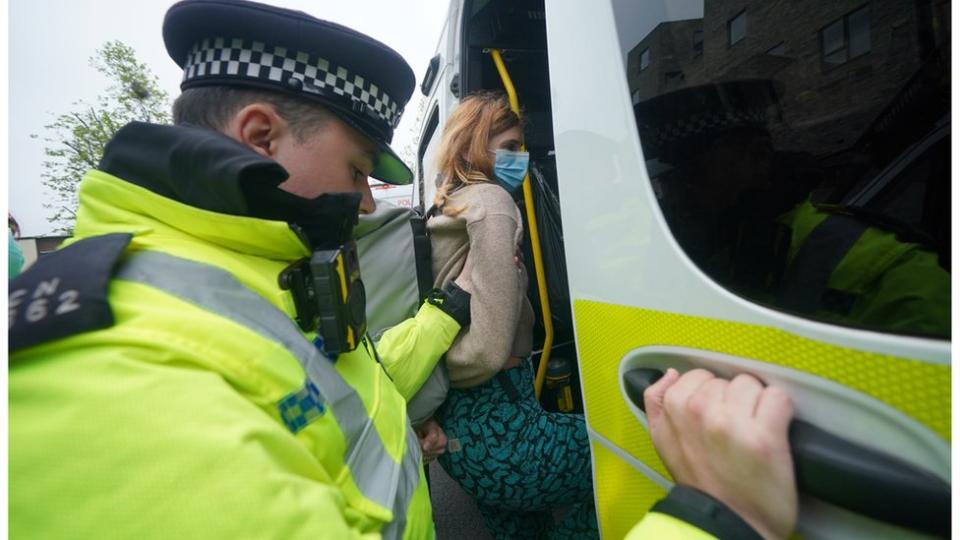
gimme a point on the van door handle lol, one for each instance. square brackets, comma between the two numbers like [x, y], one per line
[851, 476]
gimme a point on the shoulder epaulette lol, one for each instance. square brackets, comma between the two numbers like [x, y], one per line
[64, 293]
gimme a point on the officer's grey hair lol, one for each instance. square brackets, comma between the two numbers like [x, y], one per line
[213, 107]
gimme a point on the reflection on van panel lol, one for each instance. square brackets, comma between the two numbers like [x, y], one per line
[764, 147]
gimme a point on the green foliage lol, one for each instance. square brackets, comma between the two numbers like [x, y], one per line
[75, 140]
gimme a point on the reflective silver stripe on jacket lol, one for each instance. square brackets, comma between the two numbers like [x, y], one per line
[379, 478]
[409, 478]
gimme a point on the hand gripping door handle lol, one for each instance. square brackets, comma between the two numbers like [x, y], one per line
[859, 479]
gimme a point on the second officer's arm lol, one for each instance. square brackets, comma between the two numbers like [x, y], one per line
[410, 350]
[725, 444]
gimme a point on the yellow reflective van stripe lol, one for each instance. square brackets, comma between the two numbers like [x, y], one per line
[607, 332]
[620, 487]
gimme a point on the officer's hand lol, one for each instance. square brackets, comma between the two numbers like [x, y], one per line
[728, 439]
[433, 441]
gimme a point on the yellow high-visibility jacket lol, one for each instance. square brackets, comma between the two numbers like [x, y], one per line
[195, 418]
[890, 285]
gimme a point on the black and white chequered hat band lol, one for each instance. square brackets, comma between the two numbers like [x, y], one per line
[222, 57]
[701, 124]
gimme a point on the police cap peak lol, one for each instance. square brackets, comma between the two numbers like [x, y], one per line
[672, 123]
[246, 44]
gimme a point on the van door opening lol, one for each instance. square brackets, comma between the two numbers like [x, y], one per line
[517, 29]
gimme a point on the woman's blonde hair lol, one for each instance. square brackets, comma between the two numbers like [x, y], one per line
[463, 157]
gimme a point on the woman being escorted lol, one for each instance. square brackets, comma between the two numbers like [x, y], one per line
[523, 466]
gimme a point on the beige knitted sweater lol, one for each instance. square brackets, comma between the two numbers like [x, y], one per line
[489, 230]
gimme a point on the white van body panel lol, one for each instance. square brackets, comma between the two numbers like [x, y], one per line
[618, 245]
[620, 251]
[441, 100]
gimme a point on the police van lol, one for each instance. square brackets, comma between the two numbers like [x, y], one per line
[742, 186]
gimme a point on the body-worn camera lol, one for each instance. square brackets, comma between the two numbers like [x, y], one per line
[329, 296]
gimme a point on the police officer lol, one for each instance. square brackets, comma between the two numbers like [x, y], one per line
[844, 269]
[158, 384]
[194, 363]
[715, 185]
[743, 213]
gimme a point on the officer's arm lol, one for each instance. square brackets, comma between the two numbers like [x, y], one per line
[410, 350]
[256, 480]
[911, 296]
[689, 514]
[166, 450]
[728, 439]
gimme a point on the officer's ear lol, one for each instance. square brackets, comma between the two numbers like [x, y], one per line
[259, 127]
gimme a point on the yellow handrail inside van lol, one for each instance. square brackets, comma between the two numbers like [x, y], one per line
[534, 235]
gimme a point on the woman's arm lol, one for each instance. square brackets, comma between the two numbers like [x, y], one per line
[483, 347]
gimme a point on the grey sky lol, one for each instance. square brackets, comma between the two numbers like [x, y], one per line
[51, 41]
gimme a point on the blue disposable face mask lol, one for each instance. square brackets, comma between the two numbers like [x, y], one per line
[510, 169]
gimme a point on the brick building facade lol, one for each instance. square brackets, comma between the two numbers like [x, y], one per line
[837, 63]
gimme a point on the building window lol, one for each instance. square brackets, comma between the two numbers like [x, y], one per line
[635, 97]
[645, 59]
[858, 28]
[697, 42]
[737, 28]
[847, 37]
[777, 50]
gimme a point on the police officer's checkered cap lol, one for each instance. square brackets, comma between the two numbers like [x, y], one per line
[703, 124]
[237, 43]
[235, 57]
[671, 121]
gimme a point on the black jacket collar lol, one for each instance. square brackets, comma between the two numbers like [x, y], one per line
[208, 170]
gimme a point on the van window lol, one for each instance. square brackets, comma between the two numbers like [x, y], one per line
[807, 167]
[426, 162]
